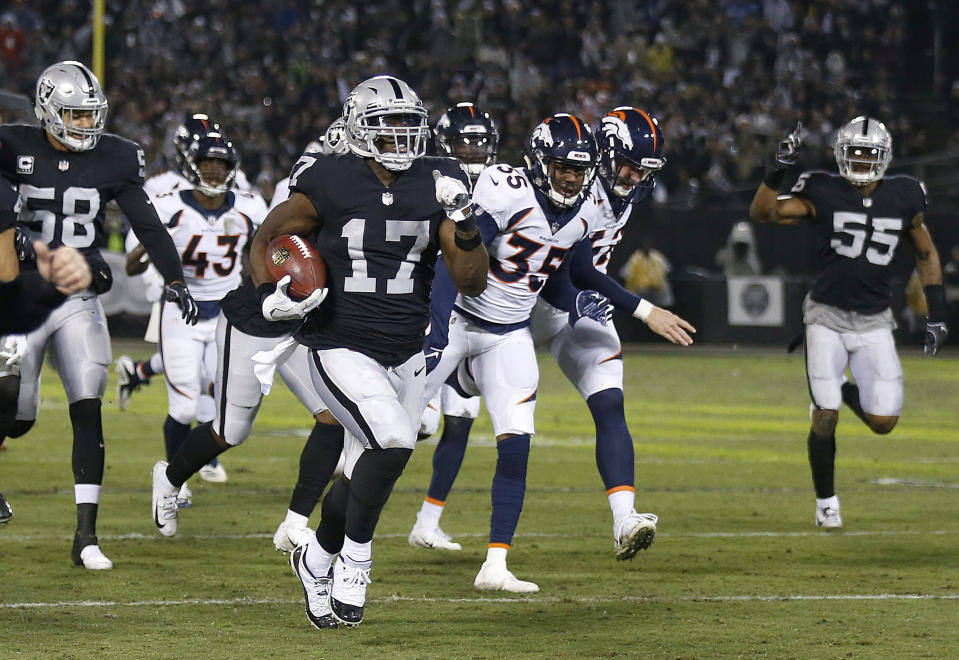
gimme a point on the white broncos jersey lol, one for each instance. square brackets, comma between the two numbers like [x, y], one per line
[210, 242]
[527, 249]
[173, 180]
[610, 230]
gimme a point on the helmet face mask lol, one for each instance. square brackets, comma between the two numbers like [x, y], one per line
[212, 146]
[561, 155]
[863, 151]
[631, 152]
[71, 106]
[468, 134]
[385, 121]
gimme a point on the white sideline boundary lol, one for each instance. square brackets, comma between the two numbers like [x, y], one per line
[136, 536]
[486, 599]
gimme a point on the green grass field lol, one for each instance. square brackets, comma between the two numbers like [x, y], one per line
[738, 568]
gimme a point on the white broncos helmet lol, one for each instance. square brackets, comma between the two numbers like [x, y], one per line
[386, 121]
[863, 151]
[65, 88]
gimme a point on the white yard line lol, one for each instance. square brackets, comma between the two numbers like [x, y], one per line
[201, 602]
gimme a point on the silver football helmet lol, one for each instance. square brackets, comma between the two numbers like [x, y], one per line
[64, 89]
[385, 121]
[863, 151]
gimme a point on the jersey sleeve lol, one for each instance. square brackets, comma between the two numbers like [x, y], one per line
[9, 202]
[810, 186]
[309, 176]
[917, 197]
[495, 193]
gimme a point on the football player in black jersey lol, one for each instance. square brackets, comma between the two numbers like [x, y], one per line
[378, 216]
[860, 216]
[66, 171]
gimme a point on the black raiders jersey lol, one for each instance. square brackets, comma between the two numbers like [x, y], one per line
[9, 203]
[857, 237]
[380, 244]
[64, 194]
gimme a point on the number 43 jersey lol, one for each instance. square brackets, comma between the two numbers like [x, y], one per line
[857, 237]
[379, 244]
[530, 246]
[210, 242]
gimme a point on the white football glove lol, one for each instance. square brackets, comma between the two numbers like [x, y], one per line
[278, 306]
[453, 196]
[13, 348]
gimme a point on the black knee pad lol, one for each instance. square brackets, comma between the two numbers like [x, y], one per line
[20, 427]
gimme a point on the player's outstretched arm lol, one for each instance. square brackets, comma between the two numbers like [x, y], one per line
[466, 258]
[294, 216]
[145, 223]
[767, 205]
[661, 321]
[930, 274]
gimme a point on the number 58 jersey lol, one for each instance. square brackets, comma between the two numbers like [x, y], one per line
[531, 245]
[210, 242]
[857, 237]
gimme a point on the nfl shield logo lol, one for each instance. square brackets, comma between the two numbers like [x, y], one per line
[64, 165]
[554, 227]
[387, 199]
[867, 202]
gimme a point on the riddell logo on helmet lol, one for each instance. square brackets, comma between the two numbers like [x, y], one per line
[281, 256]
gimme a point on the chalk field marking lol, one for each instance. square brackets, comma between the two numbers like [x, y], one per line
[202, 602]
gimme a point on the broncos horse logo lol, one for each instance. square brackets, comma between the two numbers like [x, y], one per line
[615, 127]
[542, 133]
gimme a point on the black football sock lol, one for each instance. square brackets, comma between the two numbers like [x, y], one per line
[174, 433]
[822, 461]
[374, 476]
[9, 392]
[850, 396]
[86, 520]
[317, 463]
[329, 533]
[198, 449]
[88, 451]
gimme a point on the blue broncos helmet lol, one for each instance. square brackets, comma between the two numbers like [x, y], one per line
[215, 146]
[192, 129]
[567, 141]
[468, 134]
[629, 135]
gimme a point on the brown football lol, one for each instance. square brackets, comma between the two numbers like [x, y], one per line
[291, 255]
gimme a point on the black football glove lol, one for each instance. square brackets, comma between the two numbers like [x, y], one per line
[787, 153]
[24, 246]
[179, 294]
[936, 334]
[591, 305]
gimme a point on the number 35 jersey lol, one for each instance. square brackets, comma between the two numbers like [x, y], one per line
[857, 237]
[529, 247]
[210, 242]
[379, 244]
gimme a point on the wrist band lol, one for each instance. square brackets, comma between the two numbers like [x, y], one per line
[643, 310]
[464, 219]
[468, 244]
[936, 301]
[264, 290]
[774, 178]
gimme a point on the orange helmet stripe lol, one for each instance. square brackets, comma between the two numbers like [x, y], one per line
[652, 126]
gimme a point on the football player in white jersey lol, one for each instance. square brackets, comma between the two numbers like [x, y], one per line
[630, 152]
[210, 225]
[534, 221]
[467, 133]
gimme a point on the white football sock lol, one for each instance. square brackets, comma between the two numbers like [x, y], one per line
[429, 514]
[86, 493]
[622, 503]
[357, 555]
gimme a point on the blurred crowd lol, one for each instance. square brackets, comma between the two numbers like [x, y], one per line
[726, 78]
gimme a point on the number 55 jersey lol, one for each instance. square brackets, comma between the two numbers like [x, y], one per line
[857, 237]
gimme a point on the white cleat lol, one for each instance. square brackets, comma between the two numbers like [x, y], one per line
[633, 533]
[827, 513]
[93, 559]
[184, 498]
[289, 537]
[348, 593]
[215, 474]
[496, 577]
[425, 537]
[164, 509]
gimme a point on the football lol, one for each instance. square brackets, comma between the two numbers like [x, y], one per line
[293, 256]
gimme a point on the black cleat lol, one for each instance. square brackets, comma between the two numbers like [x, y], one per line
[6, 511]
[316, 590]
